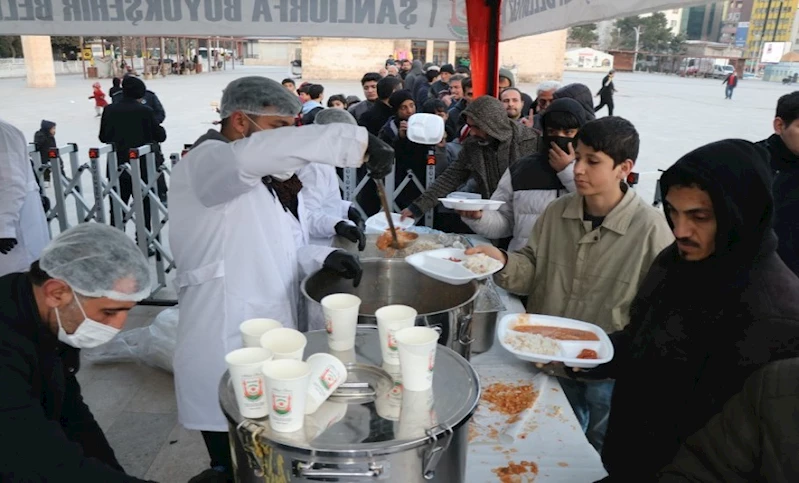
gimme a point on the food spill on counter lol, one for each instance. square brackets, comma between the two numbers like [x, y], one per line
[509, 399]
[563, 464]
[524, 472]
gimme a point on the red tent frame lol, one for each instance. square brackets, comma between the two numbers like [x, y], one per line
[483, 26]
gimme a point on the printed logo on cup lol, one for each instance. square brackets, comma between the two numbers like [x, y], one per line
[328, 377]
[281, 403]
[253, 388]
[329, 326]
[392, 341]
[431, 361]
[396, 390]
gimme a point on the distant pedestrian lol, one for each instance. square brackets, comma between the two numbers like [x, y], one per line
[606, 92]
[290, 85]
[44, 140]
[115, 87]
[732, 82]
[337, 101]
[311, 96]
[99, 99]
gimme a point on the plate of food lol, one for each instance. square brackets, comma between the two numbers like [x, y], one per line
[377, 224]
[544, 339]
[463, 204]
[453, 266]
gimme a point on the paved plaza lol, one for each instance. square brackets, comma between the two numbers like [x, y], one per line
[135, 404]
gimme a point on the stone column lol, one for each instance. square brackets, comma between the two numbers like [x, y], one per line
[451, 50]
[38, 55]
[429, 48]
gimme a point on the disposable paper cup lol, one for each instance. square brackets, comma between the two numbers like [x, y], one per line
[417, 354]
[248, 380]
[390, 319]
[341, 320]
[286, 391]
[285, 343]
[327, 374]
[417, 414]
[388, 404]
[347, 357]
[252, 330]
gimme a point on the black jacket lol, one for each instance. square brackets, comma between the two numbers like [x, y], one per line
[699, 329]
[785, 166]
[437, 88]
[376, 117]
[421, 92]
[150, 100]
[129, 124]
[755, 437]
[455, 121]
[50, 433]
[44, 140]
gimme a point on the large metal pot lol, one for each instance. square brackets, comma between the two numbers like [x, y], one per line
[365, 431]
[392, 281]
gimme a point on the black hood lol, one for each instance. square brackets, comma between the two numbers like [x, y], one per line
[580, 93]
[568, 106]
[47, 125]
[736, 175]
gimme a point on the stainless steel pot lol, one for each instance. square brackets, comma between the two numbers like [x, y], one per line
[390, 281]
[369, 430]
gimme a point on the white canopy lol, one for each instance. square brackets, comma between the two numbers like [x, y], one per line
[401, 19]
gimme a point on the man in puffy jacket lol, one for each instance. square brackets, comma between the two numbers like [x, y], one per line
[754, 438]
[716, 305]
[530, 185]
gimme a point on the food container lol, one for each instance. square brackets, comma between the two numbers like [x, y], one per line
[449, 265]
[464, 204]
[430, 241]
[360, 444]
[394, 282]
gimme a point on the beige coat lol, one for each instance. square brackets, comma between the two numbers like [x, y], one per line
[570, 270]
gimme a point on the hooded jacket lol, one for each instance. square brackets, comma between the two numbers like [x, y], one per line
[699, 329]
[410, 79]
[527, 101]
[755, 437]
[580, 93]
[527, 188]
[43, 139]
[486, 161]
[785, 166]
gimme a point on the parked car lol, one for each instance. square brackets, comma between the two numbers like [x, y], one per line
[721, 71]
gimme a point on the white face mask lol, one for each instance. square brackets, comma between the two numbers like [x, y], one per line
[89, 334]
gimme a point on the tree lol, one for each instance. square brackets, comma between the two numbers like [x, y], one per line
[584, 35]
[10, 46]
[64, 44]
[655, 36]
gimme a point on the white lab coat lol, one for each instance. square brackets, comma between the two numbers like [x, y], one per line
[21, 213]
[323, 201]
[236, 257]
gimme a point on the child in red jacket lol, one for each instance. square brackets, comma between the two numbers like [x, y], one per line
[99, 98]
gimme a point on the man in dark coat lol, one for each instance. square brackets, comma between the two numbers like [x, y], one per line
[714, 307]
[606, 92]
[755, 437]
[45, 319]
[455, 121]
[376, 117]
[128, 124]
[783, 146]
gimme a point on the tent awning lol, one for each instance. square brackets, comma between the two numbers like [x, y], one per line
[399, 19]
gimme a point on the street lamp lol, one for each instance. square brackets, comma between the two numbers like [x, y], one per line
[637, 41]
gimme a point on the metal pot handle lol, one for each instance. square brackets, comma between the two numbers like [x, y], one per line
[304, 469]
[464, 330]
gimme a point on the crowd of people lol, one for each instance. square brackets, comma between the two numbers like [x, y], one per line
[699, 303]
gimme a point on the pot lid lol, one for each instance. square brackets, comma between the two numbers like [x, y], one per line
[371, 413]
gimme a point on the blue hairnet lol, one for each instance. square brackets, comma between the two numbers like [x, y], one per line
[98, 261]
[332, 116]
[258, 96]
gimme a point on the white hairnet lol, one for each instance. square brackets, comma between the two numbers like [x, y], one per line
[254, 95]
[333, 116]
[98, 261]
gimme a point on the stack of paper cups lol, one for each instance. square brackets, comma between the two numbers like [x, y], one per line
[341, 320]
[286, 392]
[248, 380]
[391, 319]
[417, 354]
[327, 374]
[252, 330]
[285, 343]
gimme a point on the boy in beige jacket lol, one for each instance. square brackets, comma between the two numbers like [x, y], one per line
[589, 251]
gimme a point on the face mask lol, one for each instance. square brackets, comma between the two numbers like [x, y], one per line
[89, 334]
[561, 141]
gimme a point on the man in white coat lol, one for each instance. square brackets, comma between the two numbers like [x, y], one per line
[23, 225]
[233, 210]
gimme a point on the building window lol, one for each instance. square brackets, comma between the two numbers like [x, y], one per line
[440, 53]
[419, 50]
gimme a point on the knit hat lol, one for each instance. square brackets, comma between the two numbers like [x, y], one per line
[397, 98]
[133, 88]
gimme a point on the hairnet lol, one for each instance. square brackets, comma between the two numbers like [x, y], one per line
[98, 261]
[254, 95]
[331, 116]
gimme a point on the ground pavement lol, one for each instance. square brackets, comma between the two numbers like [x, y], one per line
[135, 404]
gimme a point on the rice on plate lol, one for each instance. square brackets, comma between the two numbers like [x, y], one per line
[481, 263]
[532, 343]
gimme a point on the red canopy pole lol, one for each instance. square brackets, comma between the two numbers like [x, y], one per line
[483, 25]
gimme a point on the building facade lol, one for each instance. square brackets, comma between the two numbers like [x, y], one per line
[737, 14]
[703, 22]
[771, 21]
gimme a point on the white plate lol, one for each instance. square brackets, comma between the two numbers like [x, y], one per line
[462, 204]
[377, 224]
[434, 264]
[569, 349]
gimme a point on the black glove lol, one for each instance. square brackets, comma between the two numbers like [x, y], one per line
[345, 264]
[351, 233]
[355, 216]
[381, 158]
[7, 244]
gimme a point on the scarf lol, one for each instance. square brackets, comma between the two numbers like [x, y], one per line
[286, 192]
